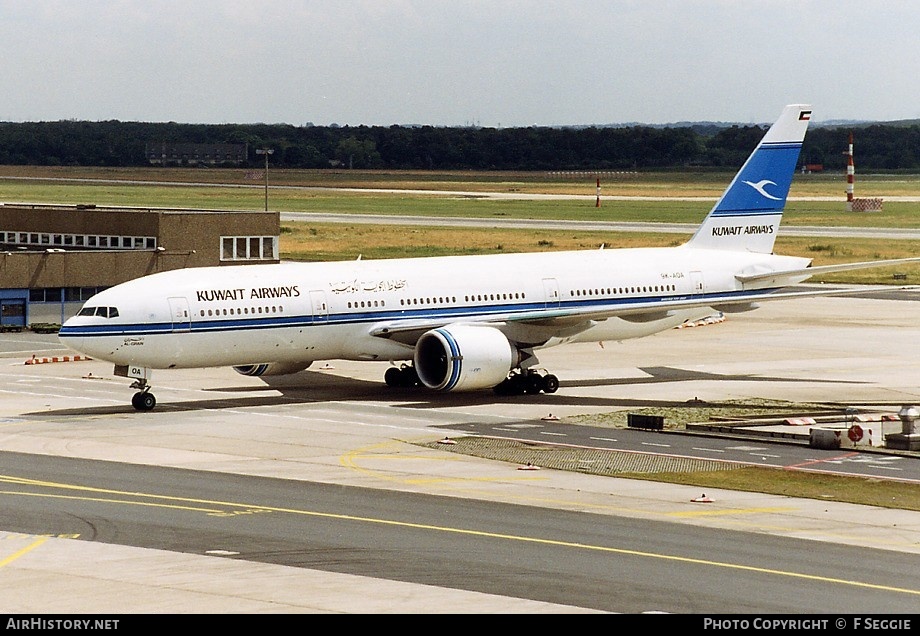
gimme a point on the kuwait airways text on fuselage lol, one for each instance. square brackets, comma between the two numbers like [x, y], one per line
[209, 295]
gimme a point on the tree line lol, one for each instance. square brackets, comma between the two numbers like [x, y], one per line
[115, 143]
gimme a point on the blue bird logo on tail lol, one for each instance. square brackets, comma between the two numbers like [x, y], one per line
[759, 186]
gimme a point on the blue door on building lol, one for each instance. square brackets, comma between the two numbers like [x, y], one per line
[13, 308]
[12, 313]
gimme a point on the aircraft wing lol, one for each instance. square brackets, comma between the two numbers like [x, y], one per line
[564, 322]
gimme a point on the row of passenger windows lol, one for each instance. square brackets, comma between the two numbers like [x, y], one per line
[472, 298]
[370, 304]
[93, 241]
[609, 291]
[437, 300]
[241, 311]
[440, 300]
[427, 301]
[482, 297]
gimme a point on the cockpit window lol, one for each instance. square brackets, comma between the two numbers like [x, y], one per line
[103, 312]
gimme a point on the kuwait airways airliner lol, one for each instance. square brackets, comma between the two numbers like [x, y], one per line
[456, 323]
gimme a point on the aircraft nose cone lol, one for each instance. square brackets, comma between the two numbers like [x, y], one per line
[72, 341]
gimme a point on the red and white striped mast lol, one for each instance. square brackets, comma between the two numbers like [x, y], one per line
[851, 171]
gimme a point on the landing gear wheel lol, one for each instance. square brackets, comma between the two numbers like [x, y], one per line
[502, 388]
[514, 384]
[518, 384]
[393, 377]
[533, 384]
[404, 376]
[143, 401]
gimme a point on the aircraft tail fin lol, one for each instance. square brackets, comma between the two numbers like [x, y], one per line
[747, 215]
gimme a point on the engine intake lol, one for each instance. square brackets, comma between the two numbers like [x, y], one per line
[463, 358]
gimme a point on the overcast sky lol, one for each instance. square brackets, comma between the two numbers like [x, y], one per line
[500, 63]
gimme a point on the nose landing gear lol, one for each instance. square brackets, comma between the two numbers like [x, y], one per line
[143, 400]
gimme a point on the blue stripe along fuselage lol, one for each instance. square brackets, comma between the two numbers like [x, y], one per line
[448, 314]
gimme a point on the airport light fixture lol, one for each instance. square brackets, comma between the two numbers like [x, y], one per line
[266, 152]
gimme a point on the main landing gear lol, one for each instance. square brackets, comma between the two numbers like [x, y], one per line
[519, 382]
[530, 381]
[402, 376]
[143, 400]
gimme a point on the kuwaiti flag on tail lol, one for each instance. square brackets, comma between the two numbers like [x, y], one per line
[805, 115]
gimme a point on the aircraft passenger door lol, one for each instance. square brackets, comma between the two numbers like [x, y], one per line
[181, 317]
[320, 307]
[696, 280]
[551, 292]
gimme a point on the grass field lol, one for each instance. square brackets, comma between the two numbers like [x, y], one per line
[359, 192]
[311, 191]
[707, 183]
[341, 241]
[774, 481]
[306, 190]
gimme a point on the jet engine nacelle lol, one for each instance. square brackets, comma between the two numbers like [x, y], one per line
[271, 368]
[463, 358]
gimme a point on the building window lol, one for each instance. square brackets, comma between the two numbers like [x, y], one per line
[80, 240]
[45, 295]
[248, 248]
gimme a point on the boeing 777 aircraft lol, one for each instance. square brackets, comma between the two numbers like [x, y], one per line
[457, 323]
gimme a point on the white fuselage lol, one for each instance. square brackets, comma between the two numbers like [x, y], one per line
[296, 313]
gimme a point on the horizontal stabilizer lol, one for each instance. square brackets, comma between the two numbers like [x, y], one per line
[821, 269]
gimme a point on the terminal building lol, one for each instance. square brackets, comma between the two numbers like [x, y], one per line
[54, 257]
[186, 154]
